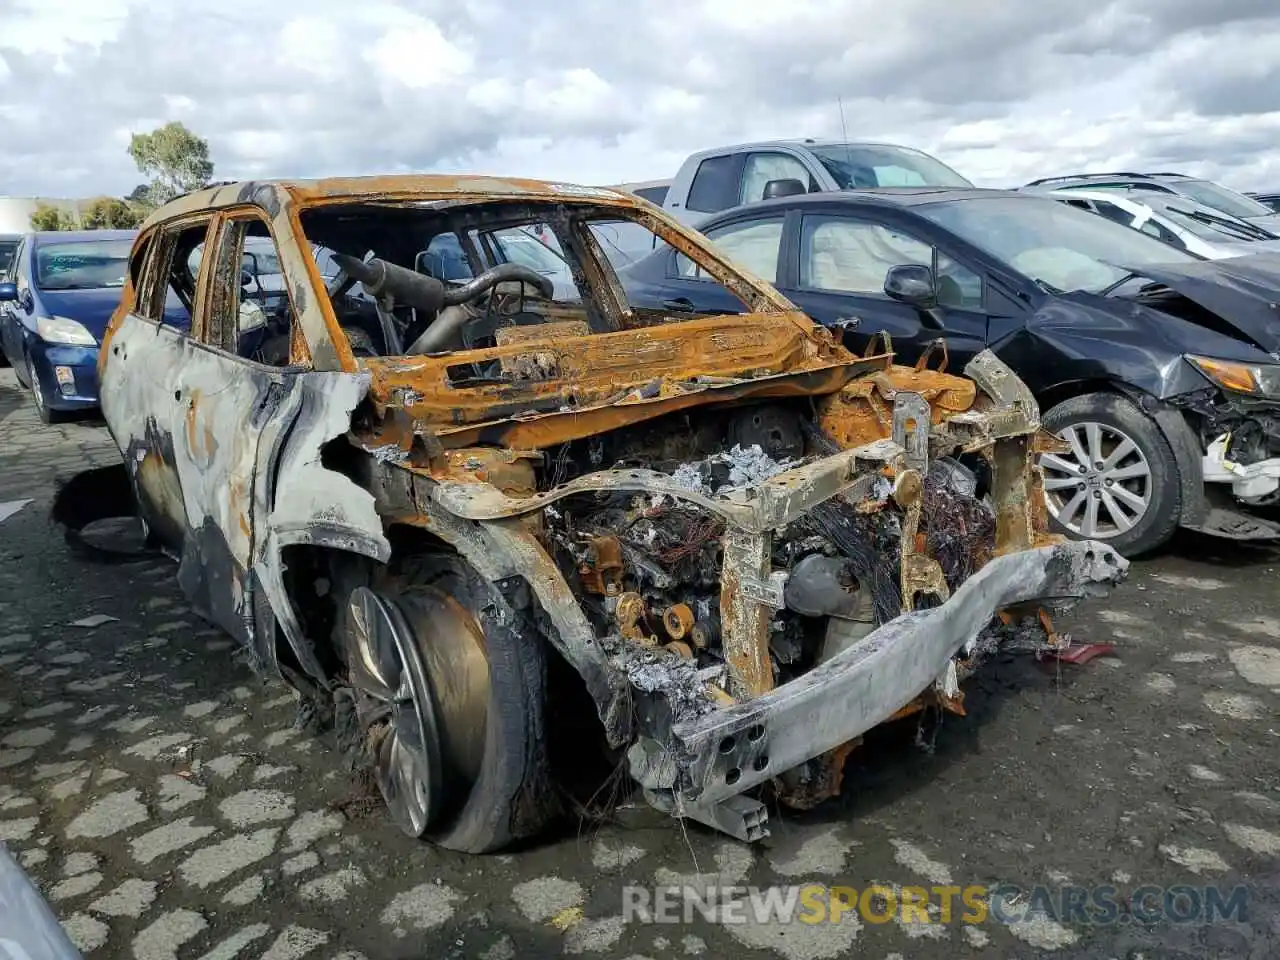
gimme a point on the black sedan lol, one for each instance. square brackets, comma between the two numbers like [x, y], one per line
[1161, 370]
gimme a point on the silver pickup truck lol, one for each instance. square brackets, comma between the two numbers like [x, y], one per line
[729, 176]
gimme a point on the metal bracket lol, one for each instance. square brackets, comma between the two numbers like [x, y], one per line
[739, 816]
[911, 419]
[769, 592]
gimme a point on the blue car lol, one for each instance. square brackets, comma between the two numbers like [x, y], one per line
[55, 301]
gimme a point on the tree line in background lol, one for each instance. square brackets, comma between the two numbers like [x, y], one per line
[176, 161]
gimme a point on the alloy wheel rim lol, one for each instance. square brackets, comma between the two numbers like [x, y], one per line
[397, 710]
[1102, 487]
[36, 395]
[420, 668]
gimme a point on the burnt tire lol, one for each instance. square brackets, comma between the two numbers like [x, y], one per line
[1107, 427]
[507, 794]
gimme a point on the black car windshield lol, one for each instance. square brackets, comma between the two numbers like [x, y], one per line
[858, 165]
[1220, 198]
[1061, 247]
[7, 249]
[82, 264]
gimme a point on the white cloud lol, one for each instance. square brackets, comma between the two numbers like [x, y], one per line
[419, 56]
[55, 26]
[582, 90]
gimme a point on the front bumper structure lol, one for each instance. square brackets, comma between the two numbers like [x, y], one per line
[702, 766]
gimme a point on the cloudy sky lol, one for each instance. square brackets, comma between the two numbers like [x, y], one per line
[597, 91]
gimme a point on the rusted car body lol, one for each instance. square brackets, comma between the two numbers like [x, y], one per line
[432, 496]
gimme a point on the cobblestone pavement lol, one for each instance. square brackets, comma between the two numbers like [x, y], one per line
[160, 796]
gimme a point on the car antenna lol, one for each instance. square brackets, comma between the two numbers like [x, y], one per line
[844, 134]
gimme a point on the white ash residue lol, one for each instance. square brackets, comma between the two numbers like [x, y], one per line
[745, 467]
[659, 671]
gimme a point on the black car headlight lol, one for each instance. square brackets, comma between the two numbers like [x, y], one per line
[1258, 379]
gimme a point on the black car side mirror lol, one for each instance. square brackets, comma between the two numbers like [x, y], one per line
[8, 291]
[911, 283]
[788, 187]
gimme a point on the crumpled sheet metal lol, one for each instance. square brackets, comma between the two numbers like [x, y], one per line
[178, 413]
[774, 503]
[544, 413]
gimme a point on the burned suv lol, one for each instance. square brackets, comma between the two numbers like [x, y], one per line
[451, 511]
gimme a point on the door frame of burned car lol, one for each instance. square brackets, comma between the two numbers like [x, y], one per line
[446, 550]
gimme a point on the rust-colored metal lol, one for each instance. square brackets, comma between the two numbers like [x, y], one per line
[862, 411]
[935, 347]
[952, 704]
[534, 363]
[601, 572]
[632, 615]
[511, 471]
[299, 352]
[590, 384]
[720, 695]
[1016, 492]
[1047, 623]
[911, 709]
[920, 575]
[680, 648]
[826, 784]
[933, 697]
[282, 203]
[745, 620]
[678, 621]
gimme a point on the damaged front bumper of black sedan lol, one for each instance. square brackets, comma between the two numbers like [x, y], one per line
[1236, 430]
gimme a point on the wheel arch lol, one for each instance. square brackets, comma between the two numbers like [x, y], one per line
[504, 552]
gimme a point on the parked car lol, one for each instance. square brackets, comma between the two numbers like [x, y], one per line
[519, 500]
[723, 177]
[8, 247]
[655, 191]
[1177, 220]
[714, 180]
[1161, 370]
[1208, 192]
[1270, 199]
[55, 302]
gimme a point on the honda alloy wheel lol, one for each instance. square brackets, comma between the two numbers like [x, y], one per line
[1102, 487]
[1118, 480]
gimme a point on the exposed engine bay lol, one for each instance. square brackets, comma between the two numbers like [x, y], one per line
[648, 567]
